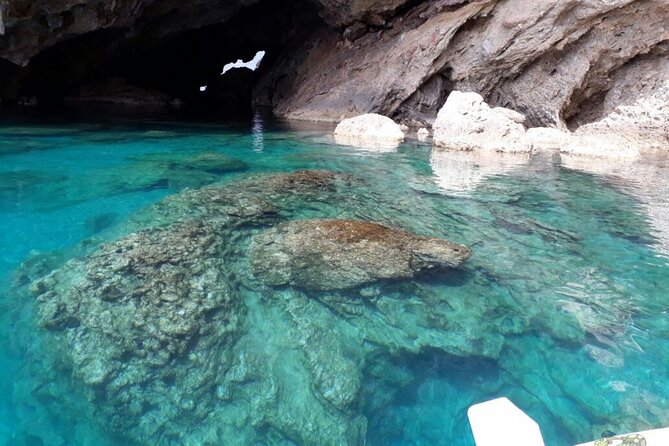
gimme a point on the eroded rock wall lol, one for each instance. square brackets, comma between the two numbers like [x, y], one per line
[547, 59]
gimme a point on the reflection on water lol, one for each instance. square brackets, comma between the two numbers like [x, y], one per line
[459, 171]
[647, 180]
[368, 145]
[258, 133]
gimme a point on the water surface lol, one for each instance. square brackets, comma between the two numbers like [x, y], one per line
[562, 308]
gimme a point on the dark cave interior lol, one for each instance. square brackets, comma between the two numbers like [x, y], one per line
[175, 66]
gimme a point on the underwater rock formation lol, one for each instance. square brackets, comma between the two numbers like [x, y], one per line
[156, 330]
[141, 319]
[160, 330]
[256, 200]
[339, 254]
[168, 338]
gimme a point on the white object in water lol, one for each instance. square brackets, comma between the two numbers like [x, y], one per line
[203, 88]
[252, 64]
[500, 423]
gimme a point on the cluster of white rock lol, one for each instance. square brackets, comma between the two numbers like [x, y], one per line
[467, 123]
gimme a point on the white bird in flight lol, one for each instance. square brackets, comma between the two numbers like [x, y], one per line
[251, 64]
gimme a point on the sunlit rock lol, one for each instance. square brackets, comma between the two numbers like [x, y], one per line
[423, 134]
[466, 122]
[548, 138]
[369, 131]
[634, 112]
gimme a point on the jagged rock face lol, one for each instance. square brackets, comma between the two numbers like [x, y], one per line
[340, 254]
[546, 59]
[344, 12]
[28, 27]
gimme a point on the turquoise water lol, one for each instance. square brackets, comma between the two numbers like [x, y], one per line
[562, 307]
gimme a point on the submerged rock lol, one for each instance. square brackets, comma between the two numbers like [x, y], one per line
[369, 131]
[155, 331]
[252, 201]
[337, 254]
[145, 321]
[466, 122]
[212, 162]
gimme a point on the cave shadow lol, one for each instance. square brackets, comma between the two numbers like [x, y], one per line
[174, 67]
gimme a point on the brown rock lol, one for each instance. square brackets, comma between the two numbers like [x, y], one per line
[338, 254]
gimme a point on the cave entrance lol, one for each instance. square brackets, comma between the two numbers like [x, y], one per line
[177, 65]
[215, 57]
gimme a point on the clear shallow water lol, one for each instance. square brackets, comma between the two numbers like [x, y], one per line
[562, 307]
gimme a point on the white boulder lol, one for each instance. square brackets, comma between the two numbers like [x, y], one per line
[370, 131]
[466, 122]
[583, 143]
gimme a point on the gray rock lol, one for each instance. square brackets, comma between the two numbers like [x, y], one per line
[154, 330]
[551, 61]
[336, 254]
[145, 321]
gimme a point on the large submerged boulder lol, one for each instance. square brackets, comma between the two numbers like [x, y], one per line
[337, 254]
[466, 122]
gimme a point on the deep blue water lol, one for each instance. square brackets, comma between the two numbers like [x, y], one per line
[567, 285]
